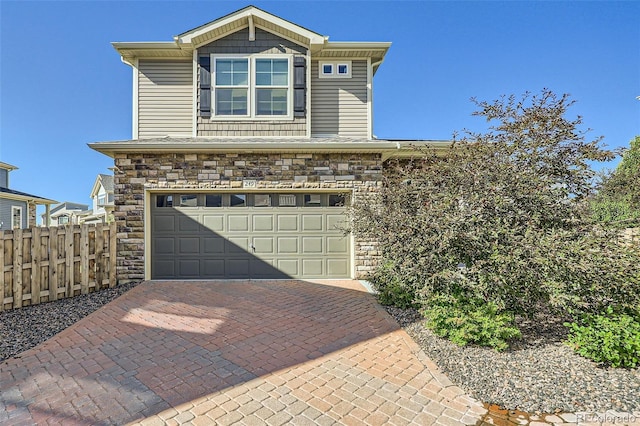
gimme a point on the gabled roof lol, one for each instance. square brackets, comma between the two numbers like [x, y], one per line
[69, 206]
[12, 194]
[251, 17]
[248, 17]
[106, 181]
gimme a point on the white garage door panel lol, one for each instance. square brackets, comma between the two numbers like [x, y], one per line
[249, 242]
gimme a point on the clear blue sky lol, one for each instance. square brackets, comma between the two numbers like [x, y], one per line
[62, 85]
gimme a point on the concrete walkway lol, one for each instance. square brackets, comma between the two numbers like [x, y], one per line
[233, 352]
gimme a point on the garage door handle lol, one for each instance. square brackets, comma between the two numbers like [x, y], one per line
[252, 247]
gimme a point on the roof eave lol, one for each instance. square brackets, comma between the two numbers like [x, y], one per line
[130, 50]
[36, 200]
[388, 149]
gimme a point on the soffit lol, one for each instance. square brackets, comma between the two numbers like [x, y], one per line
[388, 148]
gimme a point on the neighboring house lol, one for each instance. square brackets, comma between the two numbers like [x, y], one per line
[102, 201]
[65, 213]
[250, 136]
[18, 209]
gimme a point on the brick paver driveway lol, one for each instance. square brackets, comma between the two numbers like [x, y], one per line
[233, 352]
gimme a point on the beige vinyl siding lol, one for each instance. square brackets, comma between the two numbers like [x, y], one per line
[165, 98]
[339, 106]
[238, 43]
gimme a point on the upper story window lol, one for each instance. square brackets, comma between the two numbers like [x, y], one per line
[335, 69]
[252, 86]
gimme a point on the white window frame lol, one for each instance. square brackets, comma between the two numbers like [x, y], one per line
[252, 88]
[15, 209]
[335, 67]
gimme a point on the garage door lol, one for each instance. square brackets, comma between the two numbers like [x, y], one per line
[244, 235]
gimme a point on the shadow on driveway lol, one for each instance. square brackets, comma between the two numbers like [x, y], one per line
[168, 345]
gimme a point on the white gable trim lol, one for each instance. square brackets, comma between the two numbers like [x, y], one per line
[245, 14]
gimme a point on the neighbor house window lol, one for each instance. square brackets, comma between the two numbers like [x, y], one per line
[16, 217]
[102, 199]
[63, 220]
[252, 86]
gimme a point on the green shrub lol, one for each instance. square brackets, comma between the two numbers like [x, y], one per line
[392, 290]
[470, 320]
[608, 338]
[620, 213]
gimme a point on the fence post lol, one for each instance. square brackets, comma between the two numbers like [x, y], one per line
[35, 265]
[68, 255]
[2, 267]
[112, 254]
[53, 264]
[17, 268]
[84, 259]
[99, 255]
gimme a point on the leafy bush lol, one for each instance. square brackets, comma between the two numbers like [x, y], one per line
[465, 321]
[609, 338]
[502, 216]
[614, 212]
[392, 290]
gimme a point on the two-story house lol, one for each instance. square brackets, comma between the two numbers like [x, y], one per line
[101, 201]
[251, 136]
[18, 209]
[67, 213]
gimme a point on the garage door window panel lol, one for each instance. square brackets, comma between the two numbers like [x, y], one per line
[212, 200]
[164, 200]
[238, 200]
[190, 200]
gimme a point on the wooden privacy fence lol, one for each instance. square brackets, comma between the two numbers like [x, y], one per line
[45, 264]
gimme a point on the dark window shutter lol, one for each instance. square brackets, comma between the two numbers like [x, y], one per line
[205, 86]
[299, 85]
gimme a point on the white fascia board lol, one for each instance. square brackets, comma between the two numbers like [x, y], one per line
[96, 187]
[358, 45]
[145, 45]
[314, 38]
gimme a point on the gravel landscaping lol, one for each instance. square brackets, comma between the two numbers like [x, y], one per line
[22, 329]
[538, 374]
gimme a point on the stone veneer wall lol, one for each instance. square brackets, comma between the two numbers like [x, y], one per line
[31, 211]
[136, 173]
